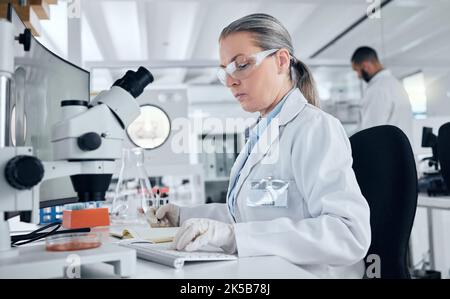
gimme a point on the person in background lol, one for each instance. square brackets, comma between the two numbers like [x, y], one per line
[385, 100]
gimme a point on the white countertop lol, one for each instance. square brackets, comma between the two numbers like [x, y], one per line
[267, 267]
[436, 202]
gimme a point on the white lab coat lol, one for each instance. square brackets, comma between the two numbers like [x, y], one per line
[325, 227]
[386, 102]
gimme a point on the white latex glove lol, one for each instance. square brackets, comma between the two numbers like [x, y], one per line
[196, 233]
[166, 216]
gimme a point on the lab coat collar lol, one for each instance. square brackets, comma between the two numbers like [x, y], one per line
[380, 74]
[294, 103]
[263, 122]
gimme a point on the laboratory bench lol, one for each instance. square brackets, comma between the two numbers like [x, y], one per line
[263, 267]
[266, 267]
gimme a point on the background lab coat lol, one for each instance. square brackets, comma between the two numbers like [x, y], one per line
[326, 226]
[386, 102]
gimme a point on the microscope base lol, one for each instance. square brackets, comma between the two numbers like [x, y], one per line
[36, 262]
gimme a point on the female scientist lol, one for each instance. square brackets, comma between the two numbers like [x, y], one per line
[292, 190]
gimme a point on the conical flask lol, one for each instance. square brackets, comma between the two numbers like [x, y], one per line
[133, 193]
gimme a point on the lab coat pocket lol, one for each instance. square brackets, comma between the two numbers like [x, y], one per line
[268, 192]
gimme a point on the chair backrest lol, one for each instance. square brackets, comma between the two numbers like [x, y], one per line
[385, 169]
[444, 152]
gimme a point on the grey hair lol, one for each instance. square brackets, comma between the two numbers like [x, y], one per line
[269, 33]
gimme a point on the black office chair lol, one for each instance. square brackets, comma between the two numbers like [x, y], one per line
[385, 169]
[443, 148]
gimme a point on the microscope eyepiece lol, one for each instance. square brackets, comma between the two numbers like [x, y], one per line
[135, 82]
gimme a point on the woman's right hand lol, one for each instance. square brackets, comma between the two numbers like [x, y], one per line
[166, 216]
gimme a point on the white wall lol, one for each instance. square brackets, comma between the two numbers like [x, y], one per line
[438, 91]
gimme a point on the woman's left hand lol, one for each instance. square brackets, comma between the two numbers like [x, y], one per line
[196, 233]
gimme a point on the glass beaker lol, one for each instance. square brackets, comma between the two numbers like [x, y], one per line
[133, 194]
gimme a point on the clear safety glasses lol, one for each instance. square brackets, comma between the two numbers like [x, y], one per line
[243, 66]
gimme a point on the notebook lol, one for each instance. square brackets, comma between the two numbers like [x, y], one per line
[163, 253]
[144, 233]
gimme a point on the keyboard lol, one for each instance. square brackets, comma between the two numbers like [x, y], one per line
[163, 254]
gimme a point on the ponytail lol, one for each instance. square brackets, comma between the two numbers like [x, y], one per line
[305, 82]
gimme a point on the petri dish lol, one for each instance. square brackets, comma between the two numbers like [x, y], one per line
[72, 242]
